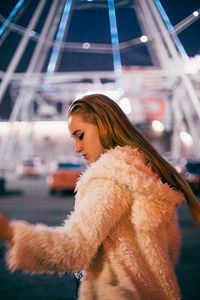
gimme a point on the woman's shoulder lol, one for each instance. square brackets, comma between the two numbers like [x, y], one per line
[125, 155]
[114, 164]
[126, 166]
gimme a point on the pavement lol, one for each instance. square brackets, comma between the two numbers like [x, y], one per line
[29, 200]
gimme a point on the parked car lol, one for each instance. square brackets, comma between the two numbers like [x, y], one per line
[64, 178]
[30, 168]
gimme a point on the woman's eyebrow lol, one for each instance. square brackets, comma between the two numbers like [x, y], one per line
[75, 132]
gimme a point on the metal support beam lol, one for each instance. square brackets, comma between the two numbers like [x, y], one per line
[19, 52]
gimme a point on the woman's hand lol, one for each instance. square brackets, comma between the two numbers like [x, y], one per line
[6, 231]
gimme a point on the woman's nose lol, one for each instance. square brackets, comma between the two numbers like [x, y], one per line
[78, 147]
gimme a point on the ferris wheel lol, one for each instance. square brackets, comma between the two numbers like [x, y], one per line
[44, 82]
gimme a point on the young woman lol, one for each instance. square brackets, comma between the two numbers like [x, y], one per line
[123, 232]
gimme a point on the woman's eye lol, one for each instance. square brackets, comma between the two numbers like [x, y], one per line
[81, 136]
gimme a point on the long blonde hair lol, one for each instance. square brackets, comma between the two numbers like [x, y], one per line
[116, 129]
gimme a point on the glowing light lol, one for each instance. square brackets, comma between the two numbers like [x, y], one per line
[86, 45]
[44, 128]
[25, 128]
[195, 13]
[193, 65]
[143, 38]
[4, 128]
[120, 91]
[158, 126]
[186, 138]
[40, 129]
[32, 33]
[125, 105]
[46, 110]
[16, 126]
[46, 86]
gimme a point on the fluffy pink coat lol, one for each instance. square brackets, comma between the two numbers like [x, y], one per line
[123, 233]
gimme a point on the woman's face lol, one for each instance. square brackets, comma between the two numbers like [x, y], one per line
[86, 137]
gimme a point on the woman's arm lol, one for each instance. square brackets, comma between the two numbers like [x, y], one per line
[39, 248]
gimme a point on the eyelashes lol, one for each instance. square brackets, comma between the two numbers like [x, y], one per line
[80, 137]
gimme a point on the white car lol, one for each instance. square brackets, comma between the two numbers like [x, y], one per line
[30, 168]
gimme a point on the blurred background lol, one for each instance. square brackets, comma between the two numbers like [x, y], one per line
[144, 54]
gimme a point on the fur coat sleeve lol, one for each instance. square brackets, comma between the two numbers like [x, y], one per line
[70, 247]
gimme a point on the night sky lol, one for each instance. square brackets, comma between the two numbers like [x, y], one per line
[92, 25]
